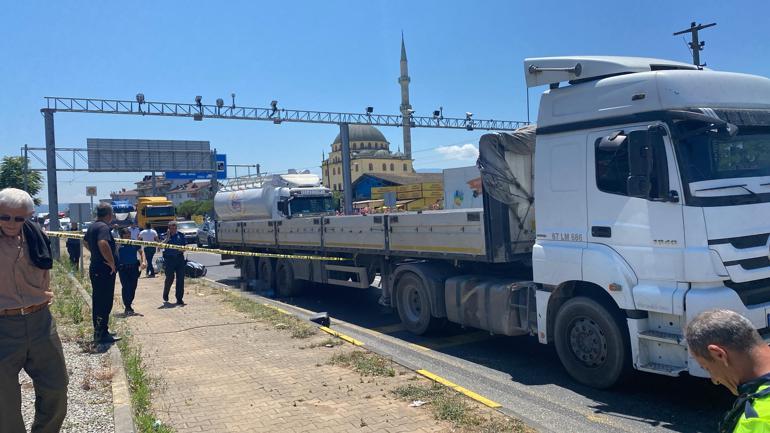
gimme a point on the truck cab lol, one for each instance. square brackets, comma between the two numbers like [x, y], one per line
[158, 211]
[653, 202]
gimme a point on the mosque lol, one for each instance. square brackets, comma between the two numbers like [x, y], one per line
[369, 150]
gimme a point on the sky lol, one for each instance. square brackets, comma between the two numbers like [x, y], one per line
[328, 56]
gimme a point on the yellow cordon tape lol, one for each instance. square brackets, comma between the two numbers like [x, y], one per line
[350, 340]
[201, 250]
[483, 400]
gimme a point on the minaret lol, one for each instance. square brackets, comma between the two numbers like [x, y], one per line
[403, 80]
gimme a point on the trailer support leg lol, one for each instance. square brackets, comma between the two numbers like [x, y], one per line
[386, 299]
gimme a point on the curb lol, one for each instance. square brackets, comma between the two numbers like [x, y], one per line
[122, 412]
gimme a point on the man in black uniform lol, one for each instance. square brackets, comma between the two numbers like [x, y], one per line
[174, 263]
[101, 244]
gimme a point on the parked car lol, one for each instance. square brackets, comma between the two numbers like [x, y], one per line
[207, 234]
[189, 229]
[84, 226]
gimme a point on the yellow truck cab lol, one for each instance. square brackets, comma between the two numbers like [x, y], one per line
[158, 211]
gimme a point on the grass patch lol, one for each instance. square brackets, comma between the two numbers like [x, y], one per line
[448, 405]
[140, 385]
[71, 312]
[366, 363]
[298, 328]
[329, 342]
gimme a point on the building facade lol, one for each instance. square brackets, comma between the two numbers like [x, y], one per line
[369, 153]
[193, 190]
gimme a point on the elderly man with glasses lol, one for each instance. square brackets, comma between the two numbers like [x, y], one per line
[28, 337]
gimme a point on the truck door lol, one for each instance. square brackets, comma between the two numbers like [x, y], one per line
[643, 223]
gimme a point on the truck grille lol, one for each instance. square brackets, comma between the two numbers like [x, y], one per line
[752, 292]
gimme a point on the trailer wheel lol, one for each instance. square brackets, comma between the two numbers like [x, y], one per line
[249, 273]
[414, 304]
[284, 280]
[591, 344]
[266, 274]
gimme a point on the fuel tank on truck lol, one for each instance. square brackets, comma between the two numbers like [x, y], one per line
[247, 204]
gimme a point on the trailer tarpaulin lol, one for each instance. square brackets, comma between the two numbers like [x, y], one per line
[496, 175]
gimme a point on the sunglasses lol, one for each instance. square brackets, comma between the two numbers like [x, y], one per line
[15, 219]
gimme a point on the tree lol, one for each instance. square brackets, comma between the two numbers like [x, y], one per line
[12, 176]
[187, 208]
[192, 207]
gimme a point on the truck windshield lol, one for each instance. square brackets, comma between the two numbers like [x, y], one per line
[160, 211]
[311, 205]
[704, 158]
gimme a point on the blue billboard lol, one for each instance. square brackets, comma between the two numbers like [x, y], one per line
[221, 171]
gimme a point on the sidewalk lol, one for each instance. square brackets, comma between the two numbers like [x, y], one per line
[220, 371]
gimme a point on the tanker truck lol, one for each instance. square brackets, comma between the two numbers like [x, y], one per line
[640, 199]
[273, 197]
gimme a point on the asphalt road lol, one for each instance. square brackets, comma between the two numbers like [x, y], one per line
[518, 372]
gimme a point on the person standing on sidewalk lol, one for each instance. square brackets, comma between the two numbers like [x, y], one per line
[731, 350]
[174, 263]
[129, 268]
[101, 244]
[135, 230]
[73, 248]
[28, 337]
[149, 235]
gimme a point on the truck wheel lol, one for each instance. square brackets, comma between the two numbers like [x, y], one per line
[249, 273]
[284, 280]
[414, 304]
[591, 344]
[266, 274]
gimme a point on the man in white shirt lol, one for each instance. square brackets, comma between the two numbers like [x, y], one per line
[135, 230]
[149, 235]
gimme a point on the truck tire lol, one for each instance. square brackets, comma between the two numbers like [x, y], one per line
[286, 285]
[266, 274]
[591, 343]
[249, 273]
[413, 303]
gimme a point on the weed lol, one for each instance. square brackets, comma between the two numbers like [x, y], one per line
[447, 405]
[140, 386]
[366, 363]
[329, 342]
[263, 313]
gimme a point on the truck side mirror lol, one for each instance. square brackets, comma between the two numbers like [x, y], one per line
[640, 158]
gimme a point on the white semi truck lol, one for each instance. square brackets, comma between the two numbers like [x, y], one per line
[641, 198]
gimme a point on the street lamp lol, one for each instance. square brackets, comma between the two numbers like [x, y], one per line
[198, 100]
[369, 110]
[468, 121]
[274, 106]
[140, 98]
[232, 95]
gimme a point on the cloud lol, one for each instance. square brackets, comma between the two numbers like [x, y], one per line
[463, 152]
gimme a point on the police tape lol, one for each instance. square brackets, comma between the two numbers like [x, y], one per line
[195, 249]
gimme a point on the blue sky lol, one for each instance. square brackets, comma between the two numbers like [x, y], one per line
[322, 55]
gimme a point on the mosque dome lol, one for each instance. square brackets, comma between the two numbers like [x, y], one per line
[363, 133]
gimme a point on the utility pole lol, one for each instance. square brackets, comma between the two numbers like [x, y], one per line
[26, 168]
[696, 45]
[53, 195]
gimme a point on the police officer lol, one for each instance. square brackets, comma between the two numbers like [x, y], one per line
[174, 263]
[728, 346]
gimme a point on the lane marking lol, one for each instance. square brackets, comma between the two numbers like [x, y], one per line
[418, 347]
[350, 340]
[280, 310]
[390, 329]
[483, 400]
[457, 340]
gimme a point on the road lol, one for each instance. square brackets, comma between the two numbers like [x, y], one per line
[518, 372]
